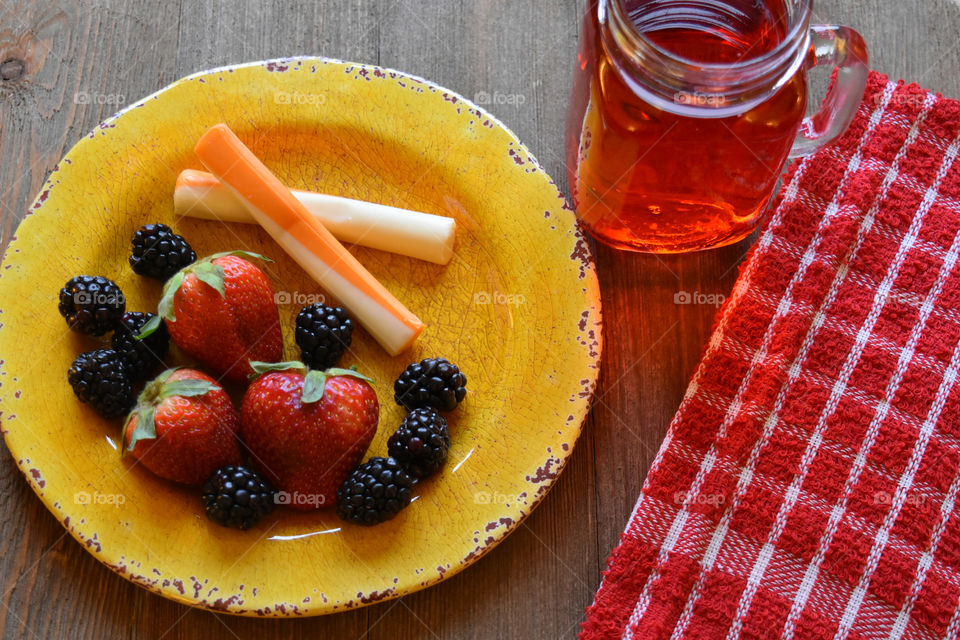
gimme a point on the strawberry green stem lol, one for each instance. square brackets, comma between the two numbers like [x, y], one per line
[314, 382]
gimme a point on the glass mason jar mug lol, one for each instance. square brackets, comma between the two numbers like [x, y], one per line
[683, 113]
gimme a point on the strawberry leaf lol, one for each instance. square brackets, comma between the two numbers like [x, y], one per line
[314, 384]
[353, 373]
[151, 391]
[241, 254]
[165, 307]
[266, 367]
[186, 388]
[163, 375]
[146, 428]
[149, 327]
[211, 274]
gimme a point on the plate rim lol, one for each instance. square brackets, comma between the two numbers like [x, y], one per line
[555, 463]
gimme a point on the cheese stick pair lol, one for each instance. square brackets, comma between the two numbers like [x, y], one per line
[199, 194]
[307, 240]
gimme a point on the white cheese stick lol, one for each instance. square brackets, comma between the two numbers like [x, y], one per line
[425, 236]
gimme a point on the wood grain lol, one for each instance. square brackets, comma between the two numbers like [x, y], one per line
[65, 66]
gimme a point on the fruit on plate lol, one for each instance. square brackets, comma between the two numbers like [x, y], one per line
[221, 311]
[158, 252]
[100, 379]
[142, 356]
[374, 492]
[236, 496]
[323, 334]
[91, 304]
[421, 443]
[433, 382]
[306, 429]
[307, 241]
[183, 427]
[425, 236]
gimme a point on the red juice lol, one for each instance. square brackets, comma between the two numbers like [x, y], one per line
[648, 179]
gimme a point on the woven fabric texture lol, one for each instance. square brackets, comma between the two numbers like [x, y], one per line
[807, 486]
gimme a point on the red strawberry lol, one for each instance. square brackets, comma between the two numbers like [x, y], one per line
[183, 427]
[306, 430]
[221, 311]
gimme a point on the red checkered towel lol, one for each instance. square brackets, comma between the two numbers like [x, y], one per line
[807, 486]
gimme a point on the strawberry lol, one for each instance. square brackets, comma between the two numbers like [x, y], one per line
[221, 311]
[183, 427]
[306, 430]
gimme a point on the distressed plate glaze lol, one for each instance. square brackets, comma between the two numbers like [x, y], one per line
[518, 309]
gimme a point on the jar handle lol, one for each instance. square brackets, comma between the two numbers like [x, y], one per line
[845, 49]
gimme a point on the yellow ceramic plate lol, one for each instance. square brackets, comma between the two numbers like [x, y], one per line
[517, 308]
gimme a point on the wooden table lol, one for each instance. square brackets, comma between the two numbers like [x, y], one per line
[538, 581]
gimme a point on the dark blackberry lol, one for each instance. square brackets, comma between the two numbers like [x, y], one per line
[237, 497]
[91, 304]
[374, 492]
[159, 253]
[141, 356]
[323, 333]
[434, 382]
[100, 379]
[421, 443]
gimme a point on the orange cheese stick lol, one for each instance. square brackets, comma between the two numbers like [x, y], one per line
[307, 241]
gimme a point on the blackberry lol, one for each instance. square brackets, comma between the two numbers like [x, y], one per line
[159, 253]
[91, 304]
[434, 382]
[140, 356]
[323, 333]
[100, 379]
[374, 492]
[421, 443]
[237, 497]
